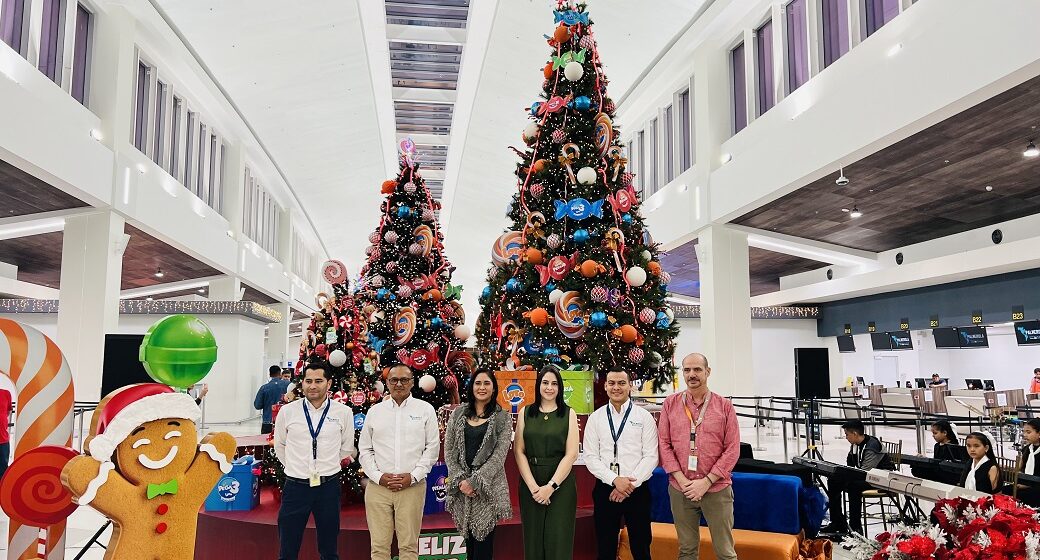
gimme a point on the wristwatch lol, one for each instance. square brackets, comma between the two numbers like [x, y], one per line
[554, 485]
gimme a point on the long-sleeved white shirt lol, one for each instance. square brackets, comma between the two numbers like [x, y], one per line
[637, 445]
[399, 439]
[292, 438]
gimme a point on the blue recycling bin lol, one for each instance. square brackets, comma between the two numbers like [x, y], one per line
[238, 490]
[436, 489]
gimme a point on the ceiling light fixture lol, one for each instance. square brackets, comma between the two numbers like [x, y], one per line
[96, 134]
[159, 273]
[855, 213]
[1031, 150]
[726, 158]
[894, 49]
[842, 180]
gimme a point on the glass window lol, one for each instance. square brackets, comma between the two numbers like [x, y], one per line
[668, 134]
[159, 127]
[213, 156]
[834, 21]
[218, 202]
[764, 67]
[141, 106]
[877, 13]
[51, 33]
[653, 154]
[12, 24]
[189, 149]
[739, 88]
[797, 45]
[640, 166]
[175, 137]
[201, 190]
[685, 132]
[81, 54]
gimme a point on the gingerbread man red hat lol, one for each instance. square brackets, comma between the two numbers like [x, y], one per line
[132, 406]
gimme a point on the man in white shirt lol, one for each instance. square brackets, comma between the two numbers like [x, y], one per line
[312, 437]
[399, 444]
[621, 452]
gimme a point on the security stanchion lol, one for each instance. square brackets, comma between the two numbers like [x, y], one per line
[783, 428]
[758, 427]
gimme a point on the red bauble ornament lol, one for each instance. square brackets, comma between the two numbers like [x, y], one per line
[647, 315]
[537, 190]
[598, 294]
[635, 355]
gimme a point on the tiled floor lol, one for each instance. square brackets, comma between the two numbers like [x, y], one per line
[85, 521]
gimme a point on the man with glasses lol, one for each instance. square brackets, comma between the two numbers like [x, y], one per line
[399, 444]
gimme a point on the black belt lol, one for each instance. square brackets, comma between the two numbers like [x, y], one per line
[307, 481]
[543, 460]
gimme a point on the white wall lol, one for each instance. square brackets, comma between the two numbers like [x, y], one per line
[1010, 366]
[772, 347]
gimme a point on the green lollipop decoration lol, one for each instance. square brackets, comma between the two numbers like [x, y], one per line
[178, 350]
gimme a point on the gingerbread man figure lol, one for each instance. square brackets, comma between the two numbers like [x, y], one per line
[148, 472]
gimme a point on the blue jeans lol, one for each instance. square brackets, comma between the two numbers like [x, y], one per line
[299, 501]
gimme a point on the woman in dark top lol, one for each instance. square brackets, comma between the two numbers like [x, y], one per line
[1029, 461]
[984, 475]
[943, 434]
[476, 441]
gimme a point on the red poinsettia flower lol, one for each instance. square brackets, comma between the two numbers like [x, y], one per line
[918, 546]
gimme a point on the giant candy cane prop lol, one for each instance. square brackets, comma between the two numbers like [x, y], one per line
[45, 398]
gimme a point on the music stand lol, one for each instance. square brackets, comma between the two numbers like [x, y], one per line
[811, 425]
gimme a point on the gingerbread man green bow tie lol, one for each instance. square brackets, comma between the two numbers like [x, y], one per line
[164, 488]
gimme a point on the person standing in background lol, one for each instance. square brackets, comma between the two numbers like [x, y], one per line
[5, 434]
[1034, 386]
[268, 395]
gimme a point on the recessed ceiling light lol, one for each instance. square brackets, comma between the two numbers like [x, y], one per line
[894, 49]
[148, 299]
[141, 168]
[96, 134]
[159, 273]
[842, 180]
[202, 290]
[855, 213]
[1031, 150]
[726, 158]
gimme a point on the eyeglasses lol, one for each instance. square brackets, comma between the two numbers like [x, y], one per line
[399, 380]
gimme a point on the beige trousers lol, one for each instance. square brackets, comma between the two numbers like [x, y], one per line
[718, 512]
[387, 512]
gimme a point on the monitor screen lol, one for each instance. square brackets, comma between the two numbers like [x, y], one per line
[846, 344]
[973, 337]
[973, 383]
[880, 341]
[1027, 332]
[901, 340]
[989, 385]
[921, 382]
[946, 337]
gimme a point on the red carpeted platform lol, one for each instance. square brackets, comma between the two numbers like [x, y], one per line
[253, 535]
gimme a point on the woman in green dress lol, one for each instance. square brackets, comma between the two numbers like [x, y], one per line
[546, 446]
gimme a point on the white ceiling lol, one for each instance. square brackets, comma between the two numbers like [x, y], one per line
[303, 78]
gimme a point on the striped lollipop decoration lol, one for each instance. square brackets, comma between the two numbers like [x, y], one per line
[424, 238]
[404, 325]
[335, 272]
[508, 248]
[43, 382]
[570, 314]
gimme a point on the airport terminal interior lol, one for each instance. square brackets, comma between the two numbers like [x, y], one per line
[835, 202]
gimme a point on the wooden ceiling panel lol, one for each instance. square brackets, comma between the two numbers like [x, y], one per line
[22, 194]
[927, 186]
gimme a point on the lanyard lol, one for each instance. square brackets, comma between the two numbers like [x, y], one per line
[617, 435]
[310, 425]
[700, 417]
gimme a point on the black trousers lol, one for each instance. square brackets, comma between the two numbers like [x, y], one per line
[607, 516]
[5, 457]
[299, 501]
[266, 427]
[855, 491]
[481, 550]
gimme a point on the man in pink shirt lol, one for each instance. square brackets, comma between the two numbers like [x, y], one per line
[699, 443]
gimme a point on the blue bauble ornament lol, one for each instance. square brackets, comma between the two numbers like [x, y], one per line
[436, 322]
[550, 286]
[626, 218]
[514, 286]
[581, 103]
[485, 294]
[382, 293]
[534, 108]
[551, 354]
[662, 321]
[404, 211]
[598, 319]
[581, 235]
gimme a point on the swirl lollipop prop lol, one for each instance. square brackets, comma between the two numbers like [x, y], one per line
[508, 248]
[569, 313]
[424, 237]
[335, 272]
[32, 494]
[404, 326]
[43, 381]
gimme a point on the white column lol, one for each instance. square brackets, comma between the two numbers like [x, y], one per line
[91, 268]
[228, 288]
[277, 349]
[113, 71]
[234, 175]
[722, 254]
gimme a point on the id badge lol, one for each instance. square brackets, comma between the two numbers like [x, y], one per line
[616, 469]
[692, 463]
[315, 480]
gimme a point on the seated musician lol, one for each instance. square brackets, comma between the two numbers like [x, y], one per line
[945, 437]
[1029, 462]
[984, 475]
[864, 454]
[943, 434]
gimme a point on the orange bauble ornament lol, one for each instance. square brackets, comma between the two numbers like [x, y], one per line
[539, 165]
[350, 346]
[539, 317]
[534, 256]
[433, 294]
[388, 186]
[562, 34]
[548, 70]
[628, 333]
[590, 268]
[654, 268]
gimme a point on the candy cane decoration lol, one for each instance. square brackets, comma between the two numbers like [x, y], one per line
[45, 398]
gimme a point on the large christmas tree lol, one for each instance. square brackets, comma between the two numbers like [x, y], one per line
[575, 280]
[413, 310]
[338, 336]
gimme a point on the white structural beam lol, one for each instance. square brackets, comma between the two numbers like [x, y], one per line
[420, 34]
[168, 287]
[425, 95]
[807, 248]
[9, 287]
[35, 224]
